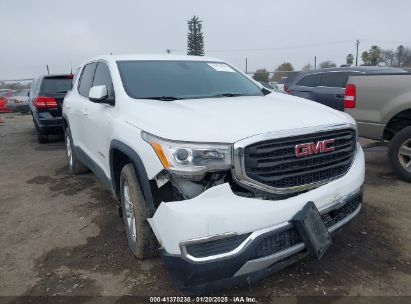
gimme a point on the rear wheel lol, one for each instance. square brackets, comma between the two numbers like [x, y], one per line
[141, 239]
[75, 166]
[400, 154]
[42, 138]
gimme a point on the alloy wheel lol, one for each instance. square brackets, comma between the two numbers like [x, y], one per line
[130, 217]
[404, 155]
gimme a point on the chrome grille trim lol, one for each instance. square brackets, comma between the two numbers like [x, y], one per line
[239, 172]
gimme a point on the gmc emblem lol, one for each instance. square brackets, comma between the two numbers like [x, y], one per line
[321, 146]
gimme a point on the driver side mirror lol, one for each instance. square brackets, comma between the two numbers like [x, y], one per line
[99, 94]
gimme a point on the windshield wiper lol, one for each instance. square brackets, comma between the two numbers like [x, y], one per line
[58, 92]
[229, 95]
[165, 98]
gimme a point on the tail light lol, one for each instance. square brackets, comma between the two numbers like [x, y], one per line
[44, 102]
[285, 87]
[350, 96]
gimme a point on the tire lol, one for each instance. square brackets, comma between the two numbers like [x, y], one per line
[141, 239]
[400, 154]
[75, 166]
[42, 138]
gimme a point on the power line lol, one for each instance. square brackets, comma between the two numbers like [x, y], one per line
[279, 48]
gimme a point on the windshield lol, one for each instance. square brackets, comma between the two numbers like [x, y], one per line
[184, 80]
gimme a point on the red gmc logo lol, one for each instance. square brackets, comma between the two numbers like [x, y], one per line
[321, 146]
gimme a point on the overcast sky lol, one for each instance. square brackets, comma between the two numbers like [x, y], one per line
[34, 33]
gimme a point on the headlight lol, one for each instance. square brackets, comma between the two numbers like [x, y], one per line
[190, 159]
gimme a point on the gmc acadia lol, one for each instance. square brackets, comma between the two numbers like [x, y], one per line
[227, 180]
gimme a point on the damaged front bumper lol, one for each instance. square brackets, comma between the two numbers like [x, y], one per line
[219, 238]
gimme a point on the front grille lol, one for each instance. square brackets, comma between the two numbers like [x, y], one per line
[216, 246]
[274, 163]
[275, 241]
[288, 238]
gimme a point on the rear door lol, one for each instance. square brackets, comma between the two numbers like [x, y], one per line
[78, 107]
[330, 91]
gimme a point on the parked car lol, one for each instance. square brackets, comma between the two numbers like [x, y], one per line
[4, 94]
[327, 86]
[285, 81]
[45, 101]
[269, 85]
[381, 104]
[227, 180]
[19, 102]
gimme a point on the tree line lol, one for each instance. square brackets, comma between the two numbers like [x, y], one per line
[375, 56]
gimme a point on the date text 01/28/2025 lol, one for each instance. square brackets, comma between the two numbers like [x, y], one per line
[224, 299]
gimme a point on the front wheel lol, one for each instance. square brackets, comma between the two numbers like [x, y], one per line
[141, 239]
[400, 154]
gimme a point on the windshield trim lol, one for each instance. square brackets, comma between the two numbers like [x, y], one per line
[182, 97]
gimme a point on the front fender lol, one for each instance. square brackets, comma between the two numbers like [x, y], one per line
[139, 168]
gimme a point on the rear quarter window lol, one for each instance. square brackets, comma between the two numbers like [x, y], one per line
[334, 79]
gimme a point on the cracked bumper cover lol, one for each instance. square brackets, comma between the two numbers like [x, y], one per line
[219, 212]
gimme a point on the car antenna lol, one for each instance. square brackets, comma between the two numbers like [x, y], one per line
[48, 71]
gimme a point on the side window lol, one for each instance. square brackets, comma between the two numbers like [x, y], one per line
[334, 79]
[102, 77]
[309, 81]
[33, 88]
[86, 79]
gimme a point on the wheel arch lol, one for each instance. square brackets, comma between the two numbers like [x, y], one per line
[65, 122]
[396, 123]
[121, 154]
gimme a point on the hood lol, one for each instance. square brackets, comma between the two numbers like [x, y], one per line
[229, 119]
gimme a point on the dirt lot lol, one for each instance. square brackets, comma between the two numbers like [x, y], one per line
[61, 235]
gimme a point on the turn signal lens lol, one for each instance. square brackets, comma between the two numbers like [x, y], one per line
[160, 153]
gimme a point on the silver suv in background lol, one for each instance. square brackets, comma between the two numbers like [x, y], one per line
[327, 86]
[381, 104]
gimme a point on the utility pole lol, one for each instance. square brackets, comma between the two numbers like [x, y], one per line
[246, 65]
[356, 55]
[315, 62]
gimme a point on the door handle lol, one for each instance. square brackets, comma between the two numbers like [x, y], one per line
[84, 112]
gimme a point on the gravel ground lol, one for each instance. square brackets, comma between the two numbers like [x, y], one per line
[61, 235]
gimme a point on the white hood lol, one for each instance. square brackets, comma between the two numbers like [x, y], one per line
[227, 120]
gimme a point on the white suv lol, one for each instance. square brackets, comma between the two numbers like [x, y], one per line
[225, 179]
